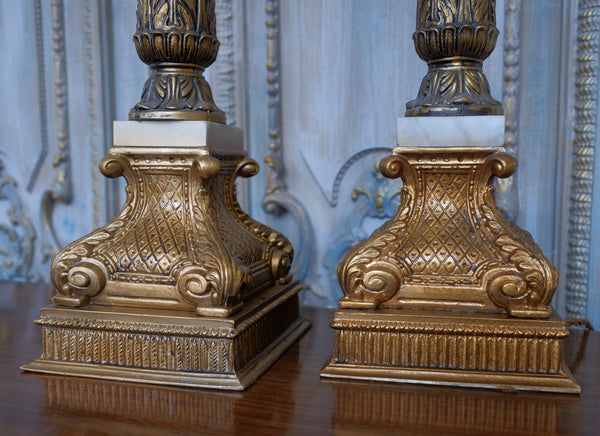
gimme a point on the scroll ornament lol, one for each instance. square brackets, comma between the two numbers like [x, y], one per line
[181, 231]
[487, 256]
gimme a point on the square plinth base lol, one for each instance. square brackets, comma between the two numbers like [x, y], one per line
[171, 347]
[438, 348]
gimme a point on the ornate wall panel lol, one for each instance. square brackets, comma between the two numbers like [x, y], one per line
[48, 149]
[318, 86]
[582, 277]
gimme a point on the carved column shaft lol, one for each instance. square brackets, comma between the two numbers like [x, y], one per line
[454, 37]
[178, 40]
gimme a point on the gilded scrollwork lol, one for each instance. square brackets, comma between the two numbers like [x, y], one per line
[78, 275]
[370, 274]
[215, 273]
[449, 240]
[378, 199]
[181, 231]
[525, 283]
[280, 252]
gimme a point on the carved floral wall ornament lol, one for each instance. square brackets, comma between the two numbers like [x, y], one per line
[181, 287]
[448, 291]
[17, 236]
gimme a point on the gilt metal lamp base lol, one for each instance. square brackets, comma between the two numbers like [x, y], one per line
[182, 287]
[171, 347]
[491, 351]
[448, 292]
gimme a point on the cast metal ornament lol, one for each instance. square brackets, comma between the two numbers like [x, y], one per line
[454, 37]
[181, 287]
[178, 40]
[449, 292]
[181, 233]
[449, 243]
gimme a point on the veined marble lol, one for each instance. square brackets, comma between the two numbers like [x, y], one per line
[218, 137]
[485, 130]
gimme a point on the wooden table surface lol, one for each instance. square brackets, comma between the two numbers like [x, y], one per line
[288, 399]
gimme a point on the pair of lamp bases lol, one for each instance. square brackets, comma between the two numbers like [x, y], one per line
[184, 288]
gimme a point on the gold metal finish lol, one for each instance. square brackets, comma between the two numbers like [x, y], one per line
[181, 236]
[182, 287]
[449, 292]
[171, 347]
[452, 349]
[449, 245]
[177, 39]
[454, 37]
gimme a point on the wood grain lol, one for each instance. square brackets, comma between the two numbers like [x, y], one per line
[288, 399]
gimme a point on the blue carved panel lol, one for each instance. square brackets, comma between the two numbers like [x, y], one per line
[317, 86]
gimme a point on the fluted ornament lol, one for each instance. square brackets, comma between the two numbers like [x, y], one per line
[177, 39]
[454, 37]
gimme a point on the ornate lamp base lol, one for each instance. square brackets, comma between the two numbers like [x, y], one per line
[182, 287]
[449, 291]
[171, 347]
[429, 347]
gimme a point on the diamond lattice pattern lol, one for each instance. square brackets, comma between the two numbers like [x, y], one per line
[444, 242]
[157, 239]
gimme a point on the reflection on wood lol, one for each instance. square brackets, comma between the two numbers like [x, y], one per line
[156, 406]
[437, 409]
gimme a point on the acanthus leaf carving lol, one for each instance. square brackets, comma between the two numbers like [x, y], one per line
[369, 273]
[528, 289]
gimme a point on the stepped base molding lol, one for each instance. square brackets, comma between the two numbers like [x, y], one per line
[492, 351]
[171, 347]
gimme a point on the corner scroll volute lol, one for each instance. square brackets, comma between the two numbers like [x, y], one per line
[500, 164]
[525, 284]
[213, 288]
[113, 166]
[206, 166]
[395, 166]
[247, 167]
[280, 252]
[368, 282]
[281, 256]
[527, 290]
[78, 282]
[368, 275]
